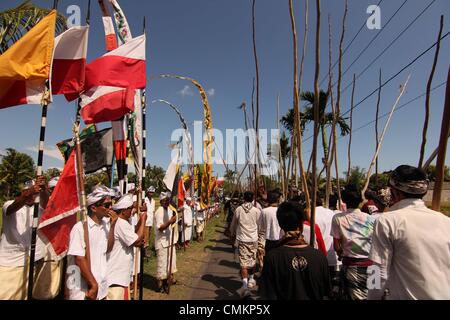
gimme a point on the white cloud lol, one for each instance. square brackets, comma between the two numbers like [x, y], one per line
[211, 92]
[51, 152]
[186, 91]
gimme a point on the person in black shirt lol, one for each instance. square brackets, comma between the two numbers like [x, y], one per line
[294, 270]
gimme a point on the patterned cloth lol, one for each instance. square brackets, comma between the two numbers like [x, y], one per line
[355, 282]
[247, 253]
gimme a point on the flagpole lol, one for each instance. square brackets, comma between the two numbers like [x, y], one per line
[143, 184]
[45, 102]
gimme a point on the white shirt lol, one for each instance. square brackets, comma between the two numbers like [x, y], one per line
[412, 244]
[199, 215]
[354, 228]
[324, 218]
[269, 224]
[16, 238]
[187, 215]
[150, 203]
[98, 242]
[245, 223]
[120, 259]
[163, 238]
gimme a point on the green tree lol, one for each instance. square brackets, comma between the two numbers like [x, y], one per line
[431, 171]
[307, 116]
[357, 176]
[52, 173]
[15, 22]
[91, 180]
[154, 176]
[15, 169]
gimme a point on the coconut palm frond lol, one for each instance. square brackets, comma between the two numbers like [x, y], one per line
[14, 23]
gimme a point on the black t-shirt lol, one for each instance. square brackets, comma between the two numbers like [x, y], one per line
[295, 274]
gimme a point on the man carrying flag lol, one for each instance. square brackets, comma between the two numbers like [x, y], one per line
[87, 269]
[165, 238]
[16, 239]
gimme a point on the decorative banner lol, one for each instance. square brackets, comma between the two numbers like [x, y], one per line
[208, 141]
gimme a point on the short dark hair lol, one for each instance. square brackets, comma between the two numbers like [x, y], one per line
[320, 200]
[290, 215]
[273, 196]
[332, 201]
[248, 196]
[351, 195]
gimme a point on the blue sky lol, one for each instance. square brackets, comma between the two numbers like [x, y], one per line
[211, 41]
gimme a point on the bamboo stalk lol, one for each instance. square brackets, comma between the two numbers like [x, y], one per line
[349, 150]
[316, 126]
[329, 159]
[440, 164]
[338, 103]
[386, 126]
[257, 96]
[280, 158]
[304, 180]
[376, 125]
[427, 99]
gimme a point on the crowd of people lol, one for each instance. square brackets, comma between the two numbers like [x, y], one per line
[101, 254]
[390, 246]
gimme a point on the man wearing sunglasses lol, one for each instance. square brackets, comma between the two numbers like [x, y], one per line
[87, 275]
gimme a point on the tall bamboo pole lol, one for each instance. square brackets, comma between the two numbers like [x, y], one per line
[329, 160]
[338, 103]
[440, 165]
[386, 126]
[427, 99]
[280, 157]
[376, 125]
[257, 97]
[316, 126]
[349, 150]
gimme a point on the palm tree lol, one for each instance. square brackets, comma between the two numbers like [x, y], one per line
[307, 116]
[14, 23]
[16, 168]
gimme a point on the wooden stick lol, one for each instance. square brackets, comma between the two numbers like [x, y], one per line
[427, 99]
[440, 165]
[257, 97]
[386, 126]
[280, 158]
[376, 125]
[349, 150]
[316, 126]
[329, 159]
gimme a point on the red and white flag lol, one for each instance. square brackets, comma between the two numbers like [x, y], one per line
[110, 34]
[60, 216]
[123, 67]
[69, 61]
[104, 103]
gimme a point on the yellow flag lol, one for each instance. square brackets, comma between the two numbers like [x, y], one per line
[31, 56]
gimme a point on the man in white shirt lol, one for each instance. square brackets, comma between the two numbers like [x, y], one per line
[150, 204]
[120, 260]
[16, 240]
[410, 243]
[245, 228]
[199, 221]
[188, 219]
[324, 218]
[87, 271]
[166, 235]
[269, 222]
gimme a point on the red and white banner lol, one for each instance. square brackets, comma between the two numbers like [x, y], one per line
[123, 67]
[110, 34]
[106, 103]
[69, 61]
[60, 216]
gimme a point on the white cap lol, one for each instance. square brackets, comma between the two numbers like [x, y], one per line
[98, 193]
[124, 203]
[188, 199]
[53, 182]
[151, 189]
[28, 184]
[164, 195]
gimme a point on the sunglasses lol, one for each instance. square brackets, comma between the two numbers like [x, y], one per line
[107, 205]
